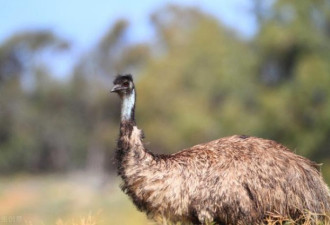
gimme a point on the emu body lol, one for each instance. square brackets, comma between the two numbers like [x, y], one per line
[232, 180]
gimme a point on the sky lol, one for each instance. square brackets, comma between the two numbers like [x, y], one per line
[84, 22]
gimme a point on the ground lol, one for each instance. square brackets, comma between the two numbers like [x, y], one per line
[76, 198]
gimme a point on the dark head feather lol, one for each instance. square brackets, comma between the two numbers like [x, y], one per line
[120, 78]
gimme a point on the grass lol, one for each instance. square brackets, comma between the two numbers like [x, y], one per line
[76, 199]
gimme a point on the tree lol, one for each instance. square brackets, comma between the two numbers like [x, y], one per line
[17, 61]
[189, 92]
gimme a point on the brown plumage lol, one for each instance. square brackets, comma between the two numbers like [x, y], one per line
[232, 180]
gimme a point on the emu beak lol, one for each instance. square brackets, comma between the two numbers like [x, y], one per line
[116, 88]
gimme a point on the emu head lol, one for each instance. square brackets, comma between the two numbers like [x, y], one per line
[123, 85]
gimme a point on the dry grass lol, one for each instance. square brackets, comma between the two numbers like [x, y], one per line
[308, 219]
[89, 220]
[72, 199]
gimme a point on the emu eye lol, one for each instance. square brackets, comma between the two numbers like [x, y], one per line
[126, 84]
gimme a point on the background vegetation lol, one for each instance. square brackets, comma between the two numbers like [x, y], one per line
[197, 81]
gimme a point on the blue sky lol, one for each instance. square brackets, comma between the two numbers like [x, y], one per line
[83, 22]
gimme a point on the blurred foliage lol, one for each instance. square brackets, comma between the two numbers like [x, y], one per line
[198, 81]
[209, 83]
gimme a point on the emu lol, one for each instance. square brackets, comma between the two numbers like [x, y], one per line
[232, 180]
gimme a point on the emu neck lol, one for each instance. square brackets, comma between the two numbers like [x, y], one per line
[131, 153]
[128, 107]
